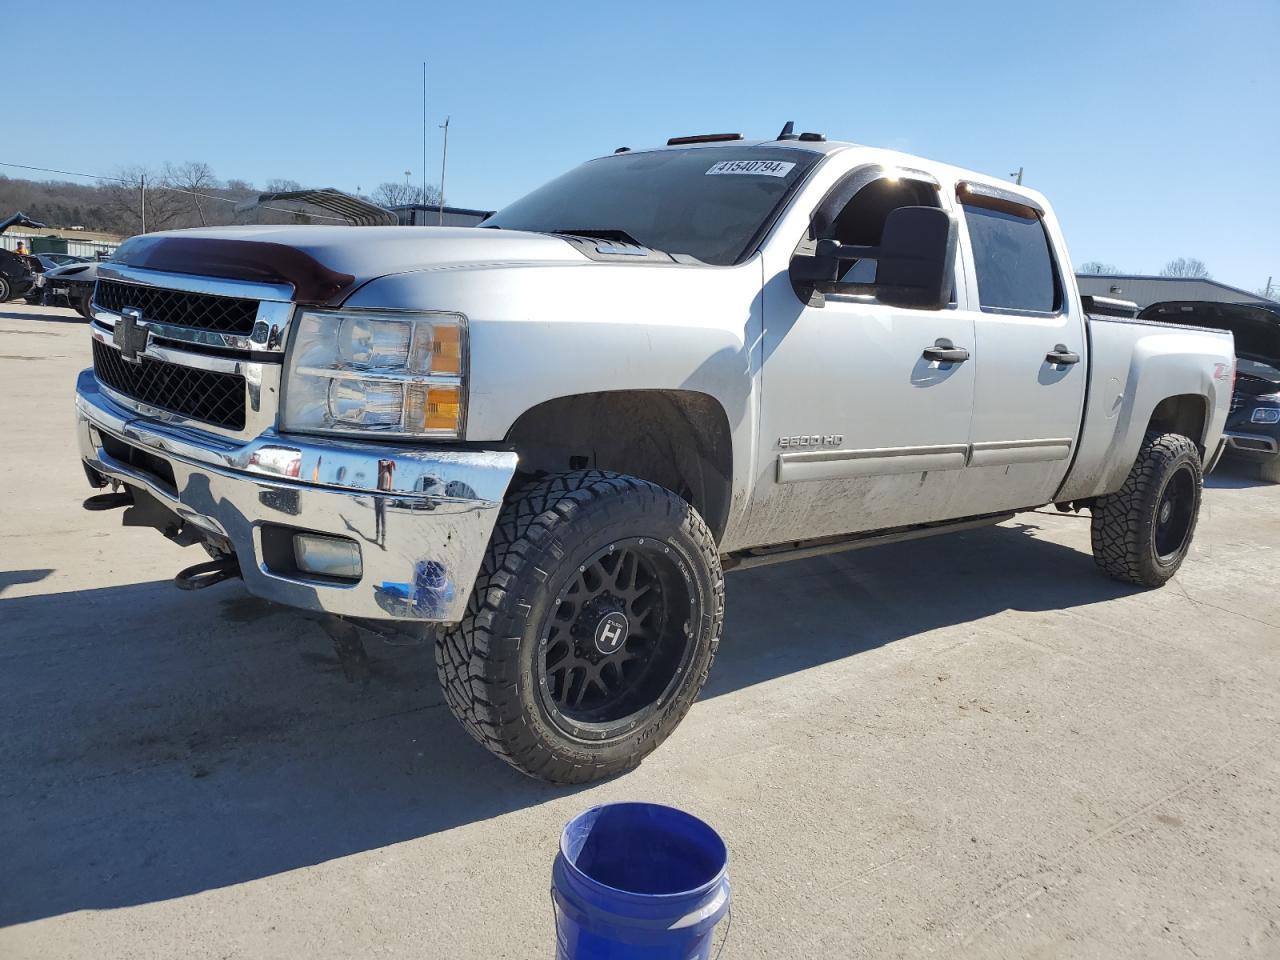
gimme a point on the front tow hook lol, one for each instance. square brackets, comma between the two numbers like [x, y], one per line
[109, 501]
[207, 574]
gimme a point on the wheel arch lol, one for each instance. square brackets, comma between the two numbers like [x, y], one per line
[1186, 414]
[678, 439]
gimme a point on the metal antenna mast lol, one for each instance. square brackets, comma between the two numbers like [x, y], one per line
[444, 160]
[424, 144]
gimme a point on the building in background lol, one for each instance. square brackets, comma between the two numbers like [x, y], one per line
[79, 243]
[1145, 291]
[428, 215]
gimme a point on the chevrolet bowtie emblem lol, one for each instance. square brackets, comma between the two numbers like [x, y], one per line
[130, 335]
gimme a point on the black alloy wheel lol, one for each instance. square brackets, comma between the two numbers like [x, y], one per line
[618, 638]
[1175, 513]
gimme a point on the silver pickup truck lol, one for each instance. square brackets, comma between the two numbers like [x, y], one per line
[541, 442]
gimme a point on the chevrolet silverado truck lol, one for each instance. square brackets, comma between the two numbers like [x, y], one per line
[539, 443]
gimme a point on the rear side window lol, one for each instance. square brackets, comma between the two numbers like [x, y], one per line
[1013, 261]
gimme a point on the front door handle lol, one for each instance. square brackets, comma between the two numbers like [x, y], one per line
[1062, 356]
[944, 351]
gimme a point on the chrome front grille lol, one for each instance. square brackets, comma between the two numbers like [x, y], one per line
[210, 350]
[179, 308]
[205, 395]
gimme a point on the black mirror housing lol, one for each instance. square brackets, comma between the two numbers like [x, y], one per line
[914, 260]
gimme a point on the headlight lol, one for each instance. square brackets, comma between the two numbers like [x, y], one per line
[400, 374]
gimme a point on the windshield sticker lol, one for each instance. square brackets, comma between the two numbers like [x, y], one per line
[759, 168]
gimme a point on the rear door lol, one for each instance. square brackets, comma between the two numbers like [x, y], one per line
[1032, 368]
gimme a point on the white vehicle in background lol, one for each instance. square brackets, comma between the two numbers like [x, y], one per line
[547, 437]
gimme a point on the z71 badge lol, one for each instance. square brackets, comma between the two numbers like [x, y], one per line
[813, 440]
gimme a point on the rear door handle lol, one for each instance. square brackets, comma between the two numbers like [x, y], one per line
[944, 351]
[1061, 355]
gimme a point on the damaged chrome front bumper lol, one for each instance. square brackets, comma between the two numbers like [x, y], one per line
[421, 518]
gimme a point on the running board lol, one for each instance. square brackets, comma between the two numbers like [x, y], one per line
[802, 549]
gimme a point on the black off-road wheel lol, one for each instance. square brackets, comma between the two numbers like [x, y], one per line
[591, 630]
[84, 304]
[1141, 533]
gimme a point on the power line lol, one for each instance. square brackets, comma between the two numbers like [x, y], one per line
[65, 173]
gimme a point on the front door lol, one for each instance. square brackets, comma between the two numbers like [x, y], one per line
[863, 424]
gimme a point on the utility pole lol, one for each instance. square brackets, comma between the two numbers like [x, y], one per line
[1017, 177]
[444, 160]
[424, 145]
[142, 191]
[1267, 293]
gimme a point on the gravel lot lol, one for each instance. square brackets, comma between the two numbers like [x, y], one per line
[968, 747]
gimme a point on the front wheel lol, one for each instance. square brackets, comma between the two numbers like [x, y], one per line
[592, 627]
[6, 291]
[1270, 470]
[1142, 533]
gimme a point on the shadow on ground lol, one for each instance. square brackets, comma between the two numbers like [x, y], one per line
[46, 316]
[1235, 474]
[157, 744]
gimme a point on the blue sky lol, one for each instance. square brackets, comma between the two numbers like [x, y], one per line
[1153, 127]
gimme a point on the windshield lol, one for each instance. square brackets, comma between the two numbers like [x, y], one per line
[705, 202]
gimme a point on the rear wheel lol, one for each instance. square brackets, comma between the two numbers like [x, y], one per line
[1142, 533]
[6, 291]
[591, 630]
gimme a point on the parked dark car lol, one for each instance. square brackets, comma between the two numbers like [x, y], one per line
[17, 274]
[1253, 427]
[72, 286]
[17, 279]
[42, 263]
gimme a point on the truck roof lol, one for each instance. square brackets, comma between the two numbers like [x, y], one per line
[945, 172]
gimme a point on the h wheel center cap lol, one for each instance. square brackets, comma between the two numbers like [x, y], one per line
[1166, 511]
[611, 633]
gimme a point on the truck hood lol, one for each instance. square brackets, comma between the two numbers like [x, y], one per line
[325, 264]
[1255, 326]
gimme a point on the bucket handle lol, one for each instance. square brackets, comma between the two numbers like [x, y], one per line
[555, 921]
[728, 926]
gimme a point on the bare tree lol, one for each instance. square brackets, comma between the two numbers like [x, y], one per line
[1097, 267]
[279, 185]
[125, 199]
[1186, 267]
[195, 178]
[1269, 291]
[394, 194]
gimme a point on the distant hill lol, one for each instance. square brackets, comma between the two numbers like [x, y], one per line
[114, 207]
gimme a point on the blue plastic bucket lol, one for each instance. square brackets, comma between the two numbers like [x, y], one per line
[638, 880]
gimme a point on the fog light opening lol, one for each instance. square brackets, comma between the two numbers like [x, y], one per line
[327, 556]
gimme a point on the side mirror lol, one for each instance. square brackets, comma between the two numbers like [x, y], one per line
[914, 260]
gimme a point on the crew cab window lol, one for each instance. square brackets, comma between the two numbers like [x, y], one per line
[1013, 260]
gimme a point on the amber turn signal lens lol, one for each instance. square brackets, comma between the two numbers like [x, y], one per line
[442, 410]
[446, 349]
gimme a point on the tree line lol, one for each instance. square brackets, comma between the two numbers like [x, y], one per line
[177, 195]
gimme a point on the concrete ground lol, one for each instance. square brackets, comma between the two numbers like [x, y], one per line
[969, 747]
